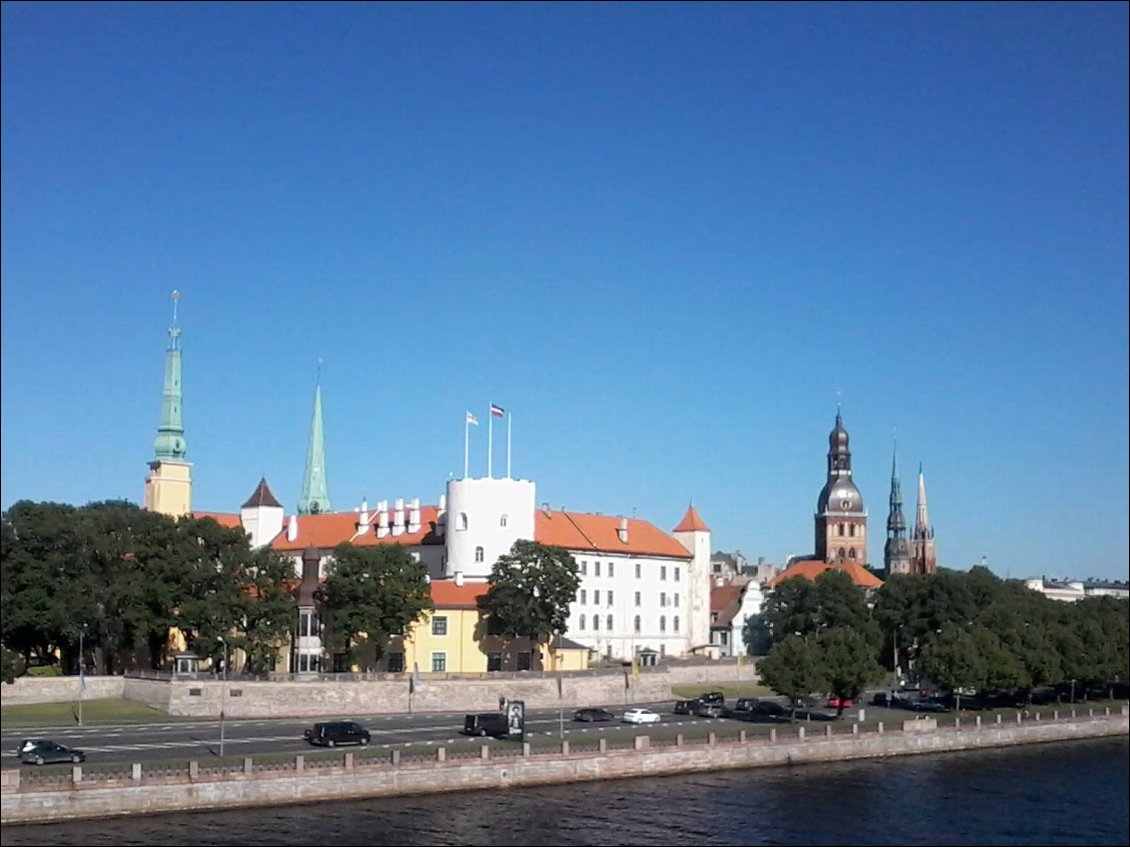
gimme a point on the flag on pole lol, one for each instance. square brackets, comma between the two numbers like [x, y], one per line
[471, 419]
[497, 410]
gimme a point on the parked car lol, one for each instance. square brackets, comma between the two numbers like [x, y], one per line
[928, 704]
[684, 707]
[46, 752]
[770, 708]
[834, 703]
[593, 715]
[713, 697]
[486, 723]
[333, 733]
[745, 704]
[708, 710]
[640, 716]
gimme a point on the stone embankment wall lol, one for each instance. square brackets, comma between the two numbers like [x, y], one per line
[348, 696]
[249, 786]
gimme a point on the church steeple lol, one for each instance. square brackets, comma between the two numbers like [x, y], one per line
[896, 552]
[924, 556]
[841, 519]
[315, 498]
[170, 443]
[168, 485]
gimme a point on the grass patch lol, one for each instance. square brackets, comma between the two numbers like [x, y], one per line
[94, 713]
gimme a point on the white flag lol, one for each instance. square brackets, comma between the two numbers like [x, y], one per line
[471, 419]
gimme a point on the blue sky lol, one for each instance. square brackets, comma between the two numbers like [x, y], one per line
[668, 238]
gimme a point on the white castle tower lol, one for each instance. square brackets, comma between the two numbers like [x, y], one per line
[693, 533]
[484, 519]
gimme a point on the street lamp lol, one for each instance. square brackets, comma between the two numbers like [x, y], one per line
[223, 693]
[81, 669]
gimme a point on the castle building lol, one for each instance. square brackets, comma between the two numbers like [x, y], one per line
[841, 519]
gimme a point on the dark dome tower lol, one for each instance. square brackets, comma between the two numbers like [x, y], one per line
[841, 519]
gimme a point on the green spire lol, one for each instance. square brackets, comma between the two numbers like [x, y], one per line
[170, 444]
[315, 498]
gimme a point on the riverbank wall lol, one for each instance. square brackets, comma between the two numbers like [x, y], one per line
[274, 782]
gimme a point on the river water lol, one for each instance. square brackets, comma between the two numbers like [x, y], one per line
[1049, 794]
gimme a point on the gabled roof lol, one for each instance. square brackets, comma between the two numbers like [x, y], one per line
[224, 520]
[262, 496]
[725, 600]
[447, 595]
[599, 533]
[692, 522]
[812, 568]
[331, 529]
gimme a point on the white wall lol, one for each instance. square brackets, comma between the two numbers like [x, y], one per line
[484, 503]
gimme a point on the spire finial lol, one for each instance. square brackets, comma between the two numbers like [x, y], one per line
[176, 297]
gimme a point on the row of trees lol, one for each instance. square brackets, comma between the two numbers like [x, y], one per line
[959, 630]
[118, 579]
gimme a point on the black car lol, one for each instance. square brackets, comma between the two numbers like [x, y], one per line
[333, 733]
[713, 697]
[745, 704]
[46, 752]
[708, 710]
[685, 707]
[593, 715]
[770, 708]
[928, 704]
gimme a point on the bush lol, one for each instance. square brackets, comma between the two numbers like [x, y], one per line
[11, 665]
[45, 670]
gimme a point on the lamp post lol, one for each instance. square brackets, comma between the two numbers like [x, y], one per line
[81, 669]
[223, 694]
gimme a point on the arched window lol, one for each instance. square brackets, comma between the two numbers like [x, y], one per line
[462, 520]
[841, 552]
[663, 623]
[843, 532]
[479, 554]
[581, 622]
[851, 530]
[637, 623]
[851, 553]
[595, 622]
[502, 521]
[608, 624]
[675, 623]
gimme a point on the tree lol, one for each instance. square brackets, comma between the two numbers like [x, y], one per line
[794, 669]
[801, 607]
[849, 662]
[530, 590]
[11, 665]
[268, 609]
[372, 593]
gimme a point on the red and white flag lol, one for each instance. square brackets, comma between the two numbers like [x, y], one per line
[497, 410]
[471, 419]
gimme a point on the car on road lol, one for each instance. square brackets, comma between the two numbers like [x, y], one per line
[684, 707]
[928, 704]
[745, 704]
[640, 716]
[835, 702]
[770, 708]
[713, 697]
[44, 752]
[333, 733]
[593, 715]
[486, 723]
[709, 710]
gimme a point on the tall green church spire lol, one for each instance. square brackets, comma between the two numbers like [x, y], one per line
[170, 444]
[315, 498]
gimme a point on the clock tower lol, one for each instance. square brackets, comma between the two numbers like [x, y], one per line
[841, 519]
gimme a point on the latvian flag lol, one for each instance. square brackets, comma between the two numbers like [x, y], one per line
[497, 411]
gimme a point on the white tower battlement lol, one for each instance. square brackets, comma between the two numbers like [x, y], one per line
[484, 519]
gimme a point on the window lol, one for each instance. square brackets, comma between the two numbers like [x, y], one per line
[675, 623]
[439, 663]
[479, 554]
[595, 622]
[608, 624]
[581, 623]
[439, 625]
[306, 625]
[584, 567]
[636, 623]
[842, 530]
[841, 552]
[851, 530]
[637, 598]
[663, 598]
[609, 598]
[596, 597]
[662, 623]
[725, 636]
[851, 553]
[676, 601]
[462, 521]
[584, 597]
[503, 520]
[612, 569]
[596, 568]
[494, 661]
[524, 660]
[637, 570]
[396, 663]
[676, 574]
[663, 573]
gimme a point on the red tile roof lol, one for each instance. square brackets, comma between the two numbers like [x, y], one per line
[328, 530]
[447, 595]
[724, 596]
[224, 520]
[599, 533]
[811, 568]
[692, 522]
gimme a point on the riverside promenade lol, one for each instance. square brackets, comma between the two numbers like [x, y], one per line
[80, 792]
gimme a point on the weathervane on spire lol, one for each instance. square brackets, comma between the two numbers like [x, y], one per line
[176, 296]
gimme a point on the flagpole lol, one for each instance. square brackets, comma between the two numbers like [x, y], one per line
[466, 441]
[509, 421]
[490, 442]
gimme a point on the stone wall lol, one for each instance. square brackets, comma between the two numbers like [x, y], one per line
[27, 690]
[247, 788]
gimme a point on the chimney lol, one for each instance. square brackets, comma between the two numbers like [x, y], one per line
[292, 528]
[398, 517]
[363, 518]
[442, 503]
[622, 532]
[545, 508]
[459, 577]
[382, 519]
[414, 516]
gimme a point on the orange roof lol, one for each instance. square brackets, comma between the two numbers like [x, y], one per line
[224, 520]
[723, 596]
[811, 568]
[447, 595]
[599, 533]
[331, 529]
[691, 522]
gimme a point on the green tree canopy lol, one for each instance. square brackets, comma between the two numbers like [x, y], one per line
[794, 668]
[849, 662]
